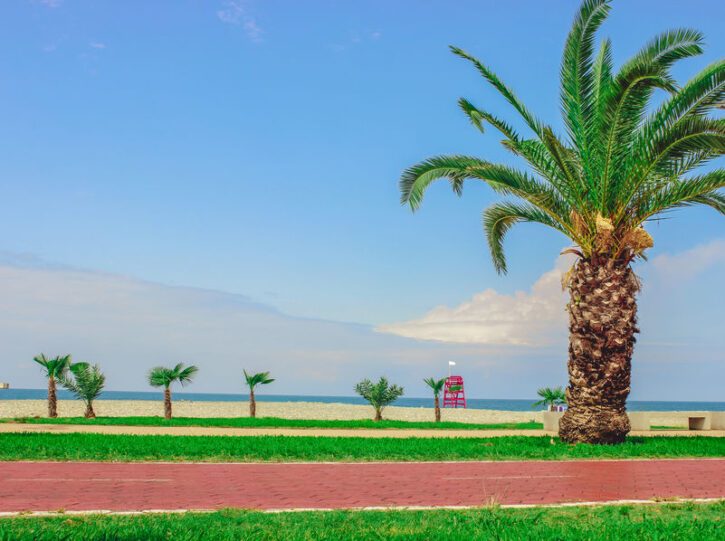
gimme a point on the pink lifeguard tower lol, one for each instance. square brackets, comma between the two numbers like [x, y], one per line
[454, 395]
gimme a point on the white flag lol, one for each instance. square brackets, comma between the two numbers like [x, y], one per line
[451, 363]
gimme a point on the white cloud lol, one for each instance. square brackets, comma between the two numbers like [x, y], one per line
[128, 325]
[51, 3]
[535, 318]
[97, 45]
[232, 12]
[235, 12]
[688, 264]
[252, 29]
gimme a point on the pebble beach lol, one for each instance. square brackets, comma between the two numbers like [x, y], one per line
[287, 410]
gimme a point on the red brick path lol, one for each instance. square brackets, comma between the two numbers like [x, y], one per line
[41, 486]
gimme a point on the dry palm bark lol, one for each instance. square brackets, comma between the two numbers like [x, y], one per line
[602, 326]
[167, 403]
[52, 398]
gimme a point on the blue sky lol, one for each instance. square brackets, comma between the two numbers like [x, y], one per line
[253, 148]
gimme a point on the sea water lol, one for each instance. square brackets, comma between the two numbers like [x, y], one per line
[503, 404]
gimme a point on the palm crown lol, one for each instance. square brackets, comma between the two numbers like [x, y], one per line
[378, 394]
[620, 164]
[435, 384]
[550, 396]
[87, 382]
[163, 377]
[54, 368]
[261, 378]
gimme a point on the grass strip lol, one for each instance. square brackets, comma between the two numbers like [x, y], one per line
[687, 521]
[272, 422]
[104, 447]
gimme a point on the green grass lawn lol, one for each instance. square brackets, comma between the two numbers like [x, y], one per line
[75, 446]
[682, 522]
[271, 422]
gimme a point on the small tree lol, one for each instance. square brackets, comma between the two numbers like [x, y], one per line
[261, 378]
[86, 382]
[379, 394]
[53, 369]
[437, 386]
[550, 397]
[164, 377]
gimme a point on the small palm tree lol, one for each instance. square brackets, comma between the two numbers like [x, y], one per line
[379, 394]
[261, 378]
[53, 369]
[437, 386]
[623, 161]
[86, 382]
[164, 377]
[551, 397]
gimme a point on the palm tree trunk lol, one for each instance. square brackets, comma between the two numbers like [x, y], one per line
[89, 414]
[52, 398]
[378, 415]
[167, 403]
[252, 404]
[437, 409]
[602, 327]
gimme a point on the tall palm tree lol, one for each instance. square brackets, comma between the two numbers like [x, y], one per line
[163, 377]
[437, 386]
[261, 378]
[86, 382]
[53, 369]
[621, 163]
[550, 397]
[379, 394]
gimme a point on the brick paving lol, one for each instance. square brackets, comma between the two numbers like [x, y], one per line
[83, 486]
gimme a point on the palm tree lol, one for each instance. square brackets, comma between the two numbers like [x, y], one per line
[86, 382]
[164, 377]
[379, 394]
[53, 369]
[621, 163]
[550, 397]
[437, 386]
[261, 378]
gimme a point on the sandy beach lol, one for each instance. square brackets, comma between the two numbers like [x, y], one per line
[287, 410]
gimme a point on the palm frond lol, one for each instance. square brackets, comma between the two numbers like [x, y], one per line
[504, 90]
[578, 80]
[500, 217]
[680, 193]
[260, 378]
[435, 384]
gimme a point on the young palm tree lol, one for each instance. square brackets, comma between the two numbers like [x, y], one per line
[621, 163]
[550, 397]
[437, 386]
[164, 377]
[86, 382]
[262, 378]
[379, 394]
[53, 369]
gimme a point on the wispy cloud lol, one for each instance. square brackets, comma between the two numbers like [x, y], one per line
[537, 317]
[235, 12]
[357, 38]
[533, 318]
[97, 45]
[128, 325]
[50, 3]
[688, 264]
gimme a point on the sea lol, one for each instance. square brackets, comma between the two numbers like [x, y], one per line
[504, 404]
